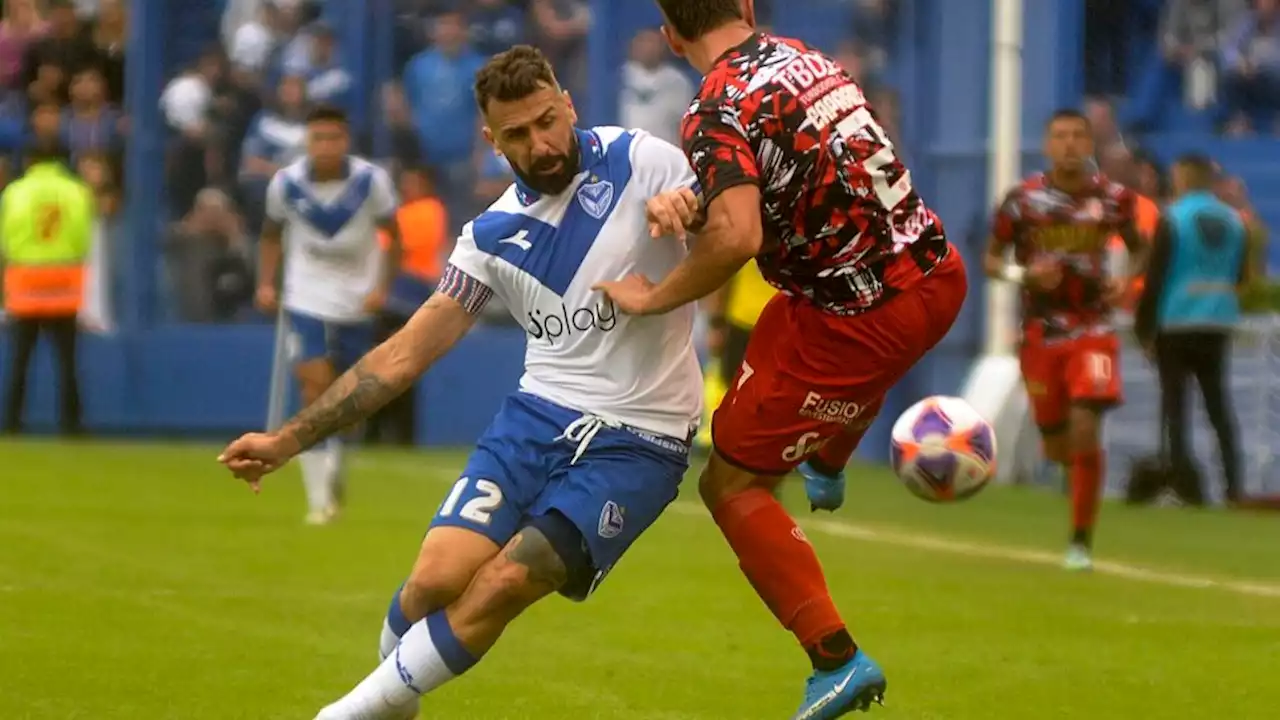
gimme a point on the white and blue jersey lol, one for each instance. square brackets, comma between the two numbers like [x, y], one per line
[599, 430]
[332, 260]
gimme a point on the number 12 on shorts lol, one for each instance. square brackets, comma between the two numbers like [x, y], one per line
[478, 509]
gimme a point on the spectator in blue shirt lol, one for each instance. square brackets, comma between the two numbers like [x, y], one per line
[89, 124]
[277, 137]
[496, 25]
[438, 84]
[1251, 61]
[327, 81]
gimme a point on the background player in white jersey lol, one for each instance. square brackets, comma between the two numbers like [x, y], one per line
[323, 214]
[591, 449]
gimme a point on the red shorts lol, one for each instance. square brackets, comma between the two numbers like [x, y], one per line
[809, 376]
[1083, 370]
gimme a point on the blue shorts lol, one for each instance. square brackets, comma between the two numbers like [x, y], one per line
[519, 470]
[342, 344]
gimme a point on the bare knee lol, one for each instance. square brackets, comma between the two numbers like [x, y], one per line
[448, 560]
[1057, 447]
[314, 377]
[425, 593]
[1085, 430]
[720, 481]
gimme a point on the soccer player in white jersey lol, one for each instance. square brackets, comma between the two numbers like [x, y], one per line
[323, 214]
[592, 448]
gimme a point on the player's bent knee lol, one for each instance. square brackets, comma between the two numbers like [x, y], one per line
[1085, 433]
[448, 560]
[1057, 446]
[720, 480]
[314, 377]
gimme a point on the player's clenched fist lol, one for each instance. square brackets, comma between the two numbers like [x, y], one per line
[1045, 275]
[674, 213]
[258, 454]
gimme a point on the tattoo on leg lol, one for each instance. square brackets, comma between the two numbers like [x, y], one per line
[532, 550]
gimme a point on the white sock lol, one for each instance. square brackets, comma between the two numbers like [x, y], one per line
[387, 642]
[335, 468]
[416, 667]
[315, 478]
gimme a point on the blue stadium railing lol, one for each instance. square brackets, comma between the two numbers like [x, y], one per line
[158, 378]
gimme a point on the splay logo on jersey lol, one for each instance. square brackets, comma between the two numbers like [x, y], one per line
[596, 196]
[602, 316]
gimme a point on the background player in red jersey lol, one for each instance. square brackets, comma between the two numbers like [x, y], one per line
[796, 172]
[1057, 225]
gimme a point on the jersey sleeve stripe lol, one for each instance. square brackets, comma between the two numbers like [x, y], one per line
[470, 293]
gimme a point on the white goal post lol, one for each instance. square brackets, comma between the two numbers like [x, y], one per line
[994, 386]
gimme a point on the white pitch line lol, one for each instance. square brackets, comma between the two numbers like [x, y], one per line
[1012, 554]
[933, 543]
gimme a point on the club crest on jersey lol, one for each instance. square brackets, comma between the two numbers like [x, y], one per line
[595, 197]
[610, 521]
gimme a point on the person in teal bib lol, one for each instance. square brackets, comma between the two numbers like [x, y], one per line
[1190, 307]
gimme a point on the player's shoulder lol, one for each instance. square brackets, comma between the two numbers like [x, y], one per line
[1114, 190]
[504, 218]
[295, 171]
[1015, 196]
[364, 166]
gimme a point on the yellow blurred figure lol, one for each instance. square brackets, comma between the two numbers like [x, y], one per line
[733, 312]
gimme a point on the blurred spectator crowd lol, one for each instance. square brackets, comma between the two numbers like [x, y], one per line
[235, 113]
[236, 116]
[62, 80]
[1186, 64]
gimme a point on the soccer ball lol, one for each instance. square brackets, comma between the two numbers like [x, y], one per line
[943, 450]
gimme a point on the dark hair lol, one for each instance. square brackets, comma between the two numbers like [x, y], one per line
[45, 105]
[1068, 114]
[513, 75]
[1200, 169]
[691, 19]
[46, 151]
[327, 113]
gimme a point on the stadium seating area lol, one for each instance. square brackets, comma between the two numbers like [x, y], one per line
[215, 91]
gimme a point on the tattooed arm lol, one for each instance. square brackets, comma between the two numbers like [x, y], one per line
[390, 369]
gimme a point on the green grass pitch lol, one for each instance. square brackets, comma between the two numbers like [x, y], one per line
[141, 582]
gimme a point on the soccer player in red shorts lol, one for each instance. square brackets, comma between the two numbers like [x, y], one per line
[795, 172]
[1058, 224]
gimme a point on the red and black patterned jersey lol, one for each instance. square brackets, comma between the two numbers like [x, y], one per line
[1038, 221]
[843, 225]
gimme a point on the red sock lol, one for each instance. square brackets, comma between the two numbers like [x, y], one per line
[780, 564]
[1086, 485]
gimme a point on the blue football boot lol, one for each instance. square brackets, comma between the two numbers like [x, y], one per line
[825, 492]
[852, 688]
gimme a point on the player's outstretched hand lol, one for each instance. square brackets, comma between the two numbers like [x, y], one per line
[1045, 275]
[672, 213]
[257, 454]
[631, 294]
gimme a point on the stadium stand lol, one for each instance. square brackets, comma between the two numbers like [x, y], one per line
[206, 120]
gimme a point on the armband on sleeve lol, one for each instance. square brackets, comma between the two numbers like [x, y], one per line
[470, 293]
